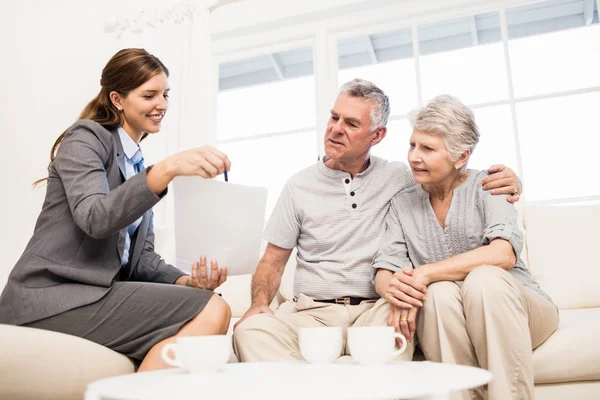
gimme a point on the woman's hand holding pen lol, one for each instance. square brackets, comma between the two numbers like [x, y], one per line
[204, 161]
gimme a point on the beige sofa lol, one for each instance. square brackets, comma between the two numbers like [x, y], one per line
[562, 243]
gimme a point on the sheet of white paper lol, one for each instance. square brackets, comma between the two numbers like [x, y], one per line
[221, 220]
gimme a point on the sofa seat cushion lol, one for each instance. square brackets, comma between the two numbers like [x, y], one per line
[572, 352]
[561, 245]
[39, 364]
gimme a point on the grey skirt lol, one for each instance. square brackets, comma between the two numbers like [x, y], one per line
[132, 317]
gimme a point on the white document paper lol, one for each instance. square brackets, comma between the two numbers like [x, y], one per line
[221, 220]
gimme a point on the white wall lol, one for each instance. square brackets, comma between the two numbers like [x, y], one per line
[247, 13]
[51, 63]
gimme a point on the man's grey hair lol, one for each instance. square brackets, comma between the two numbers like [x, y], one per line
[449, 117]
[380, 111]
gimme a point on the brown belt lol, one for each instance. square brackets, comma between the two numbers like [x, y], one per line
[346, 301]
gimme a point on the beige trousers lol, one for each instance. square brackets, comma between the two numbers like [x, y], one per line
[492, 322]
[266, 337]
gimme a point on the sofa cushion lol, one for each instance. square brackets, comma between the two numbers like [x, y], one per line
[562, 243]
[39, 364]
[236, 292]
[569, 390]
[572, 352]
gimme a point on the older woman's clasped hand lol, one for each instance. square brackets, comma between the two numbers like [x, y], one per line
[406, 292]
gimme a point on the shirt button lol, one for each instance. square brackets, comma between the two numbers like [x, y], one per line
[347, 181]
[354, 205]
[351, 193]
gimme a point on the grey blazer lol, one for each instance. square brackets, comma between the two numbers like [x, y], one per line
[74, 256]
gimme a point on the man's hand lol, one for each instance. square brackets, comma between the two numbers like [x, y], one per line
[254, 310]
[403, 291]
[503, 180]
[404, 321]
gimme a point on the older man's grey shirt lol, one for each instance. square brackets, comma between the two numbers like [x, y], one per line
[336, 223]
[475, 218]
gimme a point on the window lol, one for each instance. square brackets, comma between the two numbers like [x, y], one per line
[387, 61]
[529, 73]
[553, 49]
[497, 139]
[266, 119]
[394, 146]
[559, 147]
[554, 46]
[465, 58]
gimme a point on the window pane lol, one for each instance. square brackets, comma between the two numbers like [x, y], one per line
[554, 46]
[268, 94]
[550, 16]
[267, 68]
[266, 108]
[464, 58]
[497, 141]
[386, 60]
[396, 79]
[394, 146]
[556, 61]
[269, 162]
[559, 146]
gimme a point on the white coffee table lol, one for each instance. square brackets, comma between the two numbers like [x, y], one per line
[295, 381]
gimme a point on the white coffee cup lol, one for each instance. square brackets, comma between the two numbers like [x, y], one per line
[374, 344]
[321, 345]
[198, 354]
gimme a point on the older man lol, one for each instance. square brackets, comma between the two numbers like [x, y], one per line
[334, 214]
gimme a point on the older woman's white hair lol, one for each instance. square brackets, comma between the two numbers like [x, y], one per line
[449, 117]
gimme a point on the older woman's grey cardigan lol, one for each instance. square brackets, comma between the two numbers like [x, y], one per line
[475, 218]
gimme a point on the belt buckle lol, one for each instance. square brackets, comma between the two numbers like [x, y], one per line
[345, 301]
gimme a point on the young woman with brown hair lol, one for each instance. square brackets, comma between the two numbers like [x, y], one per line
[90, 269]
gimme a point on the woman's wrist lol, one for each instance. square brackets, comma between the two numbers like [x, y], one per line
[422, 275]
[161, 174]
[183, 280]
[382, 281]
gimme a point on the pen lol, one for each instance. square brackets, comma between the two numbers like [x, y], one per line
[226, 177]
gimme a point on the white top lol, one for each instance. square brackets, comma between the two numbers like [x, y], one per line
[336, 223]
[130, 148]
[292, 381]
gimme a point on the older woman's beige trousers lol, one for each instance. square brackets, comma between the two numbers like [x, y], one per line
[492, 322]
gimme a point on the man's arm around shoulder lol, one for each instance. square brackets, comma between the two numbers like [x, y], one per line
[266, 280]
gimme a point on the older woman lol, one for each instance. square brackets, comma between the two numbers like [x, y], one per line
[481, 307]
